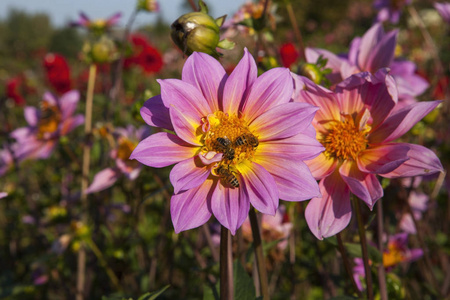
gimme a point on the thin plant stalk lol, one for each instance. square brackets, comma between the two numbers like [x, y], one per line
[365, 254]
[225, 284]
[297, 33]
[81, 264]
[381, 271]
[103, 263]
[192, 4]
[260, 260]
[347, 265]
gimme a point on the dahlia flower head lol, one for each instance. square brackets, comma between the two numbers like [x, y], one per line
[126, 141]
[444, 10]
[57, 72]
[396, 252]
[239, 140]
[357, 124]
[371, 52]
[98, 25]
[46, 125]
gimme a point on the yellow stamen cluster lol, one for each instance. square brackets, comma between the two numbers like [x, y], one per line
[393, 256]
[222, 127]
[125, 148]
[49, 120]
[344, 140]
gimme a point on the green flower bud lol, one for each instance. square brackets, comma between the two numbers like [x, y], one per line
[196, 31]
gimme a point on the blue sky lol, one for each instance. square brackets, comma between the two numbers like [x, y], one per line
[62, 11]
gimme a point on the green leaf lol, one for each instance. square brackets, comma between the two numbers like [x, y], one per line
[355, 251]
[211, 292]
[221, 20]
[226, 44]
[153, 295]
[203, 7]
[243, 284]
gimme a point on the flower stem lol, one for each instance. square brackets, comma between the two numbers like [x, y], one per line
[226, 288]
[347, 264]
[362, 237]
[81, 265]
[103, 263]
[260, 260]
[297, 33]
[381, 271]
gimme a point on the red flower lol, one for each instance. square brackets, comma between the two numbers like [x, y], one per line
[58, 72]
[12, 90]
[288, 54]
[144, 55]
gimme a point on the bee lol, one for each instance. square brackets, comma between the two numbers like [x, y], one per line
[228, 176]
[49, 117]
[224, 145]
[247, 139]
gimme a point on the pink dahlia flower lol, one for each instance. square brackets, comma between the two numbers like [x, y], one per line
[127, 139]
[46, 125]
[357, 125]
[6, 159]
[239, 140]
[373, 51]
[97, 25]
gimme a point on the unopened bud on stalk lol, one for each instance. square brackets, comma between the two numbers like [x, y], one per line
[198, 31]
[148, 5]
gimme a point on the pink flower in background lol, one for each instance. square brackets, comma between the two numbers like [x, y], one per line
[444, 10]
[418, 202]
[369, 53]
[46, 125]
[3, 195]
[390, 10]
[97, 25]
[396, 252]
[357, 125]
[239, 141]
[127, 139]
[6, 159]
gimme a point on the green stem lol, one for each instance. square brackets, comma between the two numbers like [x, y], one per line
[81, 264]
[225, 290]
[297, 33]
[260, 260]
[381, 271]
[363, 241]
[103, 262]
[347, 264]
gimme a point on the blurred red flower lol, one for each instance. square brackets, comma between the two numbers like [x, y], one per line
[12, 90]
[288, 54]
[57, 72]
[144, 55]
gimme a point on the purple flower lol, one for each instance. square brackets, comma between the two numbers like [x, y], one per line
[98, 25]
[374, 50]
[357, 124]
[396, 252]
[46, 125]
[127, 139]
[6, 159]
[3, 195]
[239, 141]
[390, 10]
[444, 10]
[418, 202]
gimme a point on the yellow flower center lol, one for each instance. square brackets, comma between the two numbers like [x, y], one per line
[344, 140]
[392, 256]
[125, 148]
[49, 120]
[231, 136]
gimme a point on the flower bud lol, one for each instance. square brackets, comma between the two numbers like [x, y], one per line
[148, 5]
[196, 31]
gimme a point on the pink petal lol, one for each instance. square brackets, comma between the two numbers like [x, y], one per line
[207, 74]
[103, 180]
[383, 53]
[401, 122]
[185, 98]
[189, 209]
[162, 149]
[70, 124]
[156, 114]
[230, 206]
[68, 103]
[188, 174]
[382, 159]
[50, 98]
[22, 133]
[31, 115]
[259, 186]
[272, 88]
[365, 186]
[283, 121]
[293, 178]
[187, 129]
[321, 166]
[330, 214]
[236, 85]
[299, 147]
[422, 161]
